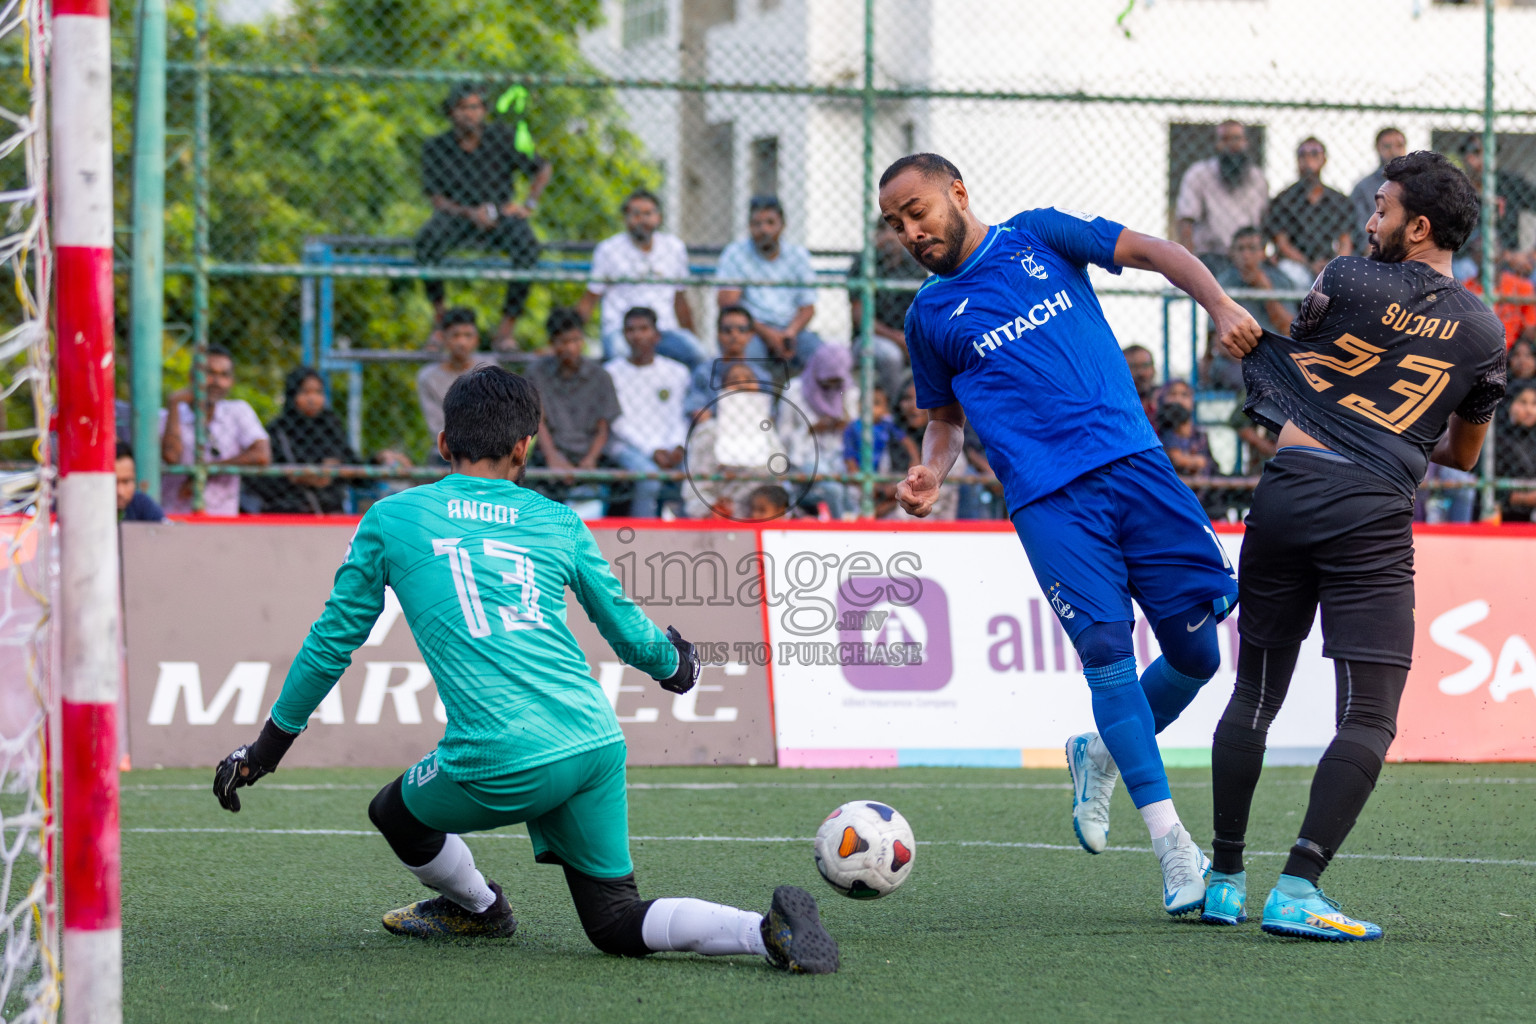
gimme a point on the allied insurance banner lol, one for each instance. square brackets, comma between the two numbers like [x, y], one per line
[215, 613]
[939, 648]
[829, 647]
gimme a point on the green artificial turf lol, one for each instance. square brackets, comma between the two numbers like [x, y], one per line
[226, 918]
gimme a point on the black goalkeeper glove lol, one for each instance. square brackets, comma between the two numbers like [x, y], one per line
[249, 763]
[688, 664]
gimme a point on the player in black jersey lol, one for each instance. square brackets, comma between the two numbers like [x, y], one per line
[1391, 364]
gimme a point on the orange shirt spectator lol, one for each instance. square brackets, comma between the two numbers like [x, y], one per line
[1517, 316]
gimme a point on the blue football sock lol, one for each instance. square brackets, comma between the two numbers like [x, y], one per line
[1126, 725]
[1168, 691]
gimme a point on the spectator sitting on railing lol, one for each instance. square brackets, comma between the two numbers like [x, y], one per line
[579, 406]
[1143, 367]
[652, 428]
[1514, 280]
[1309, 222]
[736, 439]
[1220, 194]
[1514, 450]
[780, 314]
[234, 438]
[1390, 144]
[467, 173]
[642, 250]
[306, 433]
[733, 330]
[892, 263]
[461, 342]
[1252, 269]
[815, 411]
[133, 505]
[1184, 440]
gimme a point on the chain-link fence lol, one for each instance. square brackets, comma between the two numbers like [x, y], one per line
[348, 183]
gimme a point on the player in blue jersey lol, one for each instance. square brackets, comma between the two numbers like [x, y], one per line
[1008, 331]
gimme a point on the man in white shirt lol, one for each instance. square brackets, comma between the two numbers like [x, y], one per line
[642, 250]
[652, 426]
[1220, 194]
[235, 438]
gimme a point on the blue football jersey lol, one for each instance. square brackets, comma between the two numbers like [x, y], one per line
[1017, 336]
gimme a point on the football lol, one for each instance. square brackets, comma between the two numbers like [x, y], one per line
[864, 849]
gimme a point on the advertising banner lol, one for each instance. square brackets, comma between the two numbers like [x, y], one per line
[216, 612]
[938, 647]
[1472, 693]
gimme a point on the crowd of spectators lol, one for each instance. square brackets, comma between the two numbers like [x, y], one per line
[768, 416]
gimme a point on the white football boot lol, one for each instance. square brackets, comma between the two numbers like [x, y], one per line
[1093, 782]
[1184, 868]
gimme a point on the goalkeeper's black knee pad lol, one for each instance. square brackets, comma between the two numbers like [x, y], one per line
[413, 842]
[611, 911]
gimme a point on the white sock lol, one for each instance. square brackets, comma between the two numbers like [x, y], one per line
[452, 873]
[1160, 818]
[701, 927]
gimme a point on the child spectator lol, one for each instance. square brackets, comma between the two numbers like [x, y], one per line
[1514, 451]
[883, 433]
[770, 501]
[306, 434]
[133, 505]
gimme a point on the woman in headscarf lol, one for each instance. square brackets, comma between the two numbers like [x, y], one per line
[306, 433]
[816, 408]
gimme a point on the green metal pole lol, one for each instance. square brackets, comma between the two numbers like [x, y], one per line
[200, 254]
[866, 329]
[147, 323]
[1489, 218]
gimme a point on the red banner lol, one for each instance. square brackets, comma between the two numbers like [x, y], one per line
[1472, 693]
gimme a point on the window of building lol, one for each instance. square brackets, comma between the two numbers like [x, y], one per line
[765, 166]
[644, 20]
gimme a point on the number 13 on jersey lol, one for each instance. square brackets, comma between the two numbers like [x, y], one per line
[516, 585]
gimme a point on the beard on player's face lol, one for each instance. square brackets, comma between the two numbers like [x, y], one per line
[1389, 247]
[941, 254]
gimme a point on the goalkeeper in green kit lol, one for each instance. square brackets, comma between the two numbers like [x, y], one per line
[480, 566]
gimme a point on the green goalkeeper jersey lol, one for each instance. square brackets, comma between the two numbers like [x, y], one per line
[481, 567]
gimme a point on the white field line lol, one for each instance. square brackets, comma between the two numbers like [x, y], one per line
[1406, 858]
[860, 786]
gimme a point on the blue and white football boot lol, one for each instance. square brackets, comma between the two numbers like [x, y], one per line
[1093, 782]
[1184, 868]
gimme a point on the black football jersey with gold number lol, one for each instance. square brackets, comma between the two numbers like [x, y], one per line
[1380, 356]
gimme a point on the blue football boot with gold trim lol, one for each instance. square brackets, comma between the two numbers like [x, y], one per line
[1298, 908]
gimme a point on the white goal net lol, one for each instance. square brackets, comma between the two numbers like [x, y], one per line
[29, 979]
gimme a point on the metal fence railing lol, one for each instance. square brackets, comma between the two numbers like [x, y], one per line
[336, 175]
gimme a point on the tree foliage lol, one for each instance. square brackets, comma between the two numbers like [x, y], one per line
[297, 149]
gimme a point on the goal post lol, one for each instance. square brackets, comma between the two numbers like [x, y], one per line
[89, 667]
